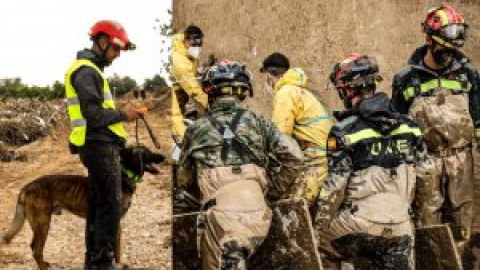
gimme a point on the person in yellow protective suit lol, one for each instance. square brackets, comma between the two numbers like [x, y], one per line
[297, 113]
[186, 50]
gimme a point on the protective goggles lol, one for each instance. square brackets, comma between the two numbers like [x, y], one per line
[196, 40]
[453, 34]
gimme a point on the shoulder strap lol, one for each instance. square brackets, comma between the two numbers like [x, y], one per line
[228, 134]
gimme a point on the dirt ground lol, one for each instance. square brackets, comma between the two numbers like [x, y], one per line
[146, 227]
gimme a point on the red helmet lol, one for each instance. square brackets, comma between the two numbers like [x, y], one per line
[446, 26]
[114, 31]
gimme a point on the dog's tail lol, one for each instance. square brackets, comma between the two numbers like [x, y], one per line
[17, 223]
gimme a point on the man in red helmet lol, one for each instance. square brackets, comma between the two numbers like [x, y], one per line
[98, 135]
[439, 89]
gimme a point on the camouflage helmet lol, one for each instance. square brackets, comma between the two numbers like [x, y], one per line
[227, 78]
[446, 26]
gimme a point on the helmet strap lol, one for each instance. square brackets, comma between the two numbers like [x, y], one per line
[102, 57]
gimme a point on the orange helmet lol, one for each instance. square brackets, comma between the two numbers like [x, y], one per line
[114, 31]
[446, 26]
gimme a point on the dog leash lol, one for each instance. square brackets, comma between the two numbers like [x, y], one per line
[150, 132]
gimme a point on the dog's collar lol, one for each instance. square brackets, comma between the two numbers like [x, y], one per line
[135, 177]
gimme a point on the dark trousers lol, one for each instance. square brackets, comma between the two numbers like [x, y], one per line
[102, 161]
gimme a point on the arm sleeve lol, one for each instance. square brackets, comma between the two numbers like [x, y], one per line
[474, 99]
[398, 100]
[186, 165]
[184, 74]
[286, 161]
[89, 87]
[340, 168]
[178, 126]
[284, 110]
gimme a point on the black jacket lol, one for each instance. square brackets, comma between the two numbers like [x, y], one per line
[350, 139]
[88, 84]
[460, 69]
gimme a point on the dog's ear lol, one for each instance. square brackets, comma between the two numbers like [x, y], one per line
[158, 158]
[153, 157]
[126, 152]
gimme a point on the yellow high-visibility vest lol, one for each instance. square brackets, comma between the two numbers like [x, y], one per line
[77, 121]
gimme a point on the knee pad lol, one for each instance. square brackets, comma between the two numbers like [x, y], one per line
[384, 253]
[397, 256]
[233, 256]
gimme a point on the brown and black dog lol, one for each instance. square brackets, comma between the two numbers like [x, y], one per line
[49, 194]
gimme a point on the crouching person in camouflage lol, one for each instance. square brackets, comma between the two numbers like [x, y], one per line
[228, 153]
[364, 206]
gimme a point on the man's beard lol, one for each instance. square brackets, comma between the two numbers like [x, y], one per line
[443, 57]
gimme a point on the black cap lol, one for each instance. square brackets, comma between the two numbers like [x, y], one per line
[193, 31]
[276, 61]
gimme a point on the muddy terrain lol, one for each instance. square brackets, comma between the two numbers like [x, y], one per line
[146, 227]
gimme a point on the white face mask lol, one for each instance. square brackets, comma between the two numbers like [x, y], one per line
[195, 51]
[269, 88]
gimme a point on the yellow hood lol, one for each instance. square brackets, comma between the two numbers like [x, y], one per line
[177, 44]
[293, 76]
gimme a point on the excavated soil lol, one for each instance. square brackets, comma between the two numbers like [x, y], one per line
[146, 227]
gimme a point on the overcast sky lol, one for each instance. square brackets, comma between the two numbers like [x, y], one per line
[40, 38]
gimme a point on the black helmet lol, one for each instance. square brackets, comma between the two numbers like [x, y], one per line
[227, 78]
[357, 72]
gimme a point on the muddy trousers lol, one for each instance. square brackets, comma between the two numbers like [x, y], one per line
[445, 194]
[309, 184]
[102, 161]
[353, 238]
[230, 238]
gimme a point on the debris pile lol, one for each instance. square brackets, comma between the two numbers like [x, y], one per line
[7, 155]
[23, 121]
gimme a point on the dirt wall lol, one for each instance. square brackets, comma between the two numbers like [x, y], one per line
[317, 34]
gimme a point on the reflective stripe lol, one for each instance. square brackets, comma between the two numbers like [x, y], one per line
[477, 132]
[429, 86]
[73, 101]
[315, 120]
[107, 96]
[320, 149]
[404, 129]
[370, 133]
[361, 135]
[78, 123]
[135, 177]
